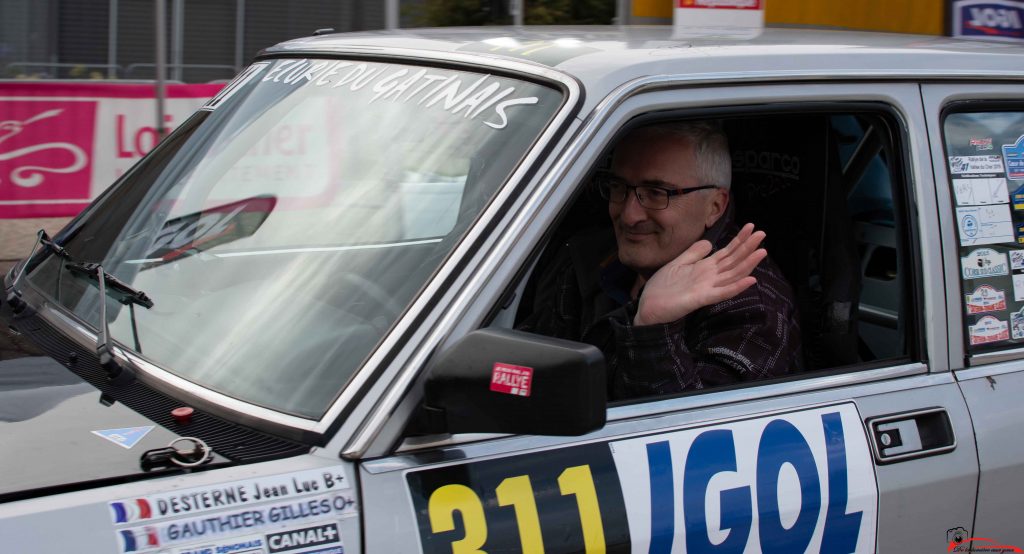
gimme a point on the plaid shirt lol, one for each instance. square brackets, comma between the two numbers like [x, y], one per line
[753, 335]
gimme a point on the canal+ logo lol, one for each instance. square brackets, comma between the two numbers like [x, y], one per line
[990, 18]
[132, 510]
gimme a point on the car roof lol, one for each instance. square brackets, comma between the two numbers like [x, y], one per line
[603, 57]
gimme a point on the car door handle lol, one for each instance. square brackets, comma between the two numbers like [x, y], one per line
[909, 435]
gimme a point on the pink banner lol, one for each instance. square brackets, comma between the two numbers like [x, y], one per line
[62, 143]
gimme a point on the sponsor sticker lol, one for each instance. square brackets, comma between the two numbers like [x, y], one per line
[807, 476]
[988, 329]
[985, 224]
[985, 299]
[804, 479]
[125, 437]
[975, 165]
[1018, 287]
[975, 192]
[234, 523]
[511, 379]
[984, 262]
[982, 144]
[1014, 156]
[1018, 198]
[988, 19]
[306, 537]
[227, 495]
[236, 545]
[1017, 324]
[1016, 259]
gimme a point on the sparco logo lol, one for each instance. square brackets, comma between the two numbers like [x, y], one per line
[774, 163]
[992, 18]
[303, 538]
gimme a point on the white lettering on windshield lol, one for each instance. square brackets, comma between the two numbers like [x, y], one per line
[451, 93]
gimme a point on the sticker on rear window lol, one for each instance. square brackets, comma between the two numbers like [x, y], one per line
[984, 262]
[1014, 156]
[985, 299]
[988, 329]
[1017, 324]
[975, 165]
[974, 192]
[985, 224]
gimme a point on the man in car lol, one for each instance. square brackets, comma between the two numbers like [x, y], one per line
[680, 299]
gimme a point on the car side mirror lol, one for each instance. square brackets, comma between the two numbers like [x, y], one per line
[506, 381]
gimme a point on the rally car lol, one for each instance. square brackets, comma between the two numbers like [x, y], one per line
[292, 327]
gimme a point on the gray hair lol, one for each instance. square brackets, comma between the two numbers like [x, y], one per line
[711, 147]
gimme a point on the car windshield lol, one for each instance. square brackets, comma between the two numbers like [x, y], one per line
[283, 229]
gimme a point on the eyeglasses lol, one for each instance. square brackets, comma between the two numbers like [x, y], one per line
[651, 196]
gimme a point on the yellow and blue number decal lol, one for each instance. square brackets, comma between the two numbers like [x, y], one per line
[564, 500]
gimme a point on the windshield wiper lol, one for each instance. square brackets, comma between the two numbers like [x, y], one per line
[108, 285]
[42, 239]
[123, 293]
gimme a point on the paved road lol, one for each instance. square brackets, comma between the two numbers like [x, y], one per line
[16, 239]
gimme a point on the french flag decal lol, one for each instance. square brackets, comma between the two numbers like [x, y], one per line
[131, 538]
[131, 511]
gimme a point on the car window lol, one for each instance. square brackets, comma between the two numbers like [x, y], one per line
[985, 153]
[827, 189]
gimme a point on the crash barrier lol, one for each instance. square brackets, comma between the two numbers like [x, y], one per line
[63, 142]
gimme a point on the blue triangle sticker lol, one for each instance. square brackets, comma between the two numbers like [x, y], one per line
[126, 437]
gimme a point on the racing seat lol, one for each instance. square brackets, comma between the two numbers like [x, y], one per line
[787, 180]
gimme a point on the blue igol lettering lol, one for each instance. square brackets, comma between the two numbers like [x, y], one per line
[713, 452]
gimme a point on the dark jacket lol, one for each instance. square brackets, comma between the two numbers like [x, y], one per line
[582, 295]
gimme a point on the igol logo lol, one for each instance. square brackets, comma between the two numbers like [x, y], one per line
[990, 18]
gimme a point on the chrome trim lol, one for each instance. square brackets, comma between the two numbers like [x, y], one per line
[987, 358]
[761, 392]
[166, 382]
[989, 368]
[872, 421]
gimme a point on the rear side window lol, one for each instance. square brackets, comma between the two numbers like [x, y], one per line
[985, 157]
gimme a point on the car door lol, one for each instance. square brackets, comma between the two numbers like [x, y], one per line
[977, 146]
[877, 453]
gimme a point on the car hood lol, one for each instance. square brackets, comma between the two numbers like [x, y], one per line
[58, 433]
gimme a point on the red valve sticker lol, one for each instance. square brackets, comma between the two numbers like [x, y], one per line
[512, 379]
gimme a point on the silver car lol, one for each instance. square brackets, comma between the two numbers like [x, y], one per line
[292, 327]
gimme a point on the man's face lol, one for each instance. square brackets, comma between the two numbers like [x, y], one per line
[648, 238]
